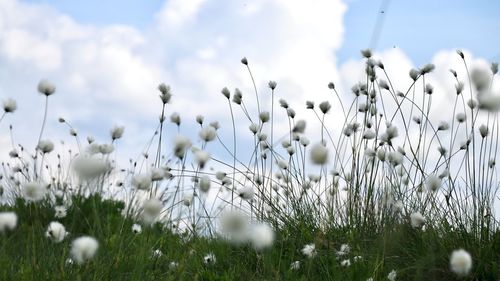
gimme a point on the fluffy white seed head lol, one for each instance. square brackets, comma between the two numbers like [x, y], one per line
[319, 154]
[461, 117]
[209, 259]
[181, 144]
[204, 183]
[88, 167]
[136, 228]
[8, 221]
[392, 275]
[60, 212]
[208, 134]
[46, 88]
[151, 209]
[84, 249]
[295, 265]
[246, 193]
[117, 132]
[460, 262]
[56, 232]
[45, 146]
[9, 105]
[369, 134]
[433, 183]
[309, 250]
[261, 236]
[156, 174]
[34, 191]
[417, 220]
[235, 225]
[201, 157]
[142, 182]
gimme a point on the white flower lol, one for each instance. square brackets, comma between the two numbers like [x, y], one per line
[443, 126]
[282, 164]
[344, 250]
[60, 212]
[201, 157]
[46, 88]
[45, 146]
[433, 182]
[209, 259]
[246, 193]
[208, 133]
[106, 148]
[483, 131]
[395, 158]
[300, 127]
[309, 250]
[34, 191]
[173, 265]
[175, 118]
[235, 225]
[136, 228]
[392, 275]
[304, 141]
[9, 105]
[417, 220]
[461, 117]
[481, 77]
[187, 200]
[117, 132]
[142, 182]
[89, 168]
[84, 249]
[345, 263]
[204, 183]
[325, 107]
[157, 174]
[295, 265]
[156, 254]
[369, 134]
[152, 208]
[319, 154]
[56, 232]
[181, 144]
[460, 262]
[264, 116]
[8, 221]
[487, 101]
[261, 236]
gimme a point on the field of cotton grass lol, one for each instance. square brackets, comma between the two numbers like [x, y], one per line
[374, 187]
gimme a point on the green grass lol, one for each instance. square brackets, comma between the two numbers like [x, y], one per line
[26, 254]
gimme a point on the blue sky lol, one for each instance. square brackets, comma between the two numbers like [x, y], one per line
[420, 28]
[107, 57]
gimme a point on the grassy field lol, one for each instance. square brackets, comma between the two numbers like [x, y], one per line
[26, 254]
[393, 192]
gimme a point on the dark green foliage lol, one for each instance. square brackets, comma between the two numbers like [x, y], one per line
[26, 254]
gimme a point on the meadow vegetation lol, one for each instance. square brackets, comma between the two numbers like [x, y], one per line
[375, 187]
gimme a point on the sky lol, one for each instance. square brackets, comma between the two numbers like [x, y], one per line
[107, 57]
[420, 28]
